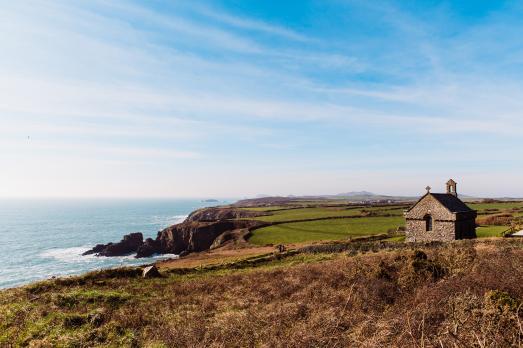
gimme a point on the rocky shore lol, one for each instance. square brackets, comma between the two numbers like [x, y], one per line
[204, 229]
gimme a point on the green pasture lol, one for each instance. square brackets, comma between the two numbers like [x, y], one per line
[324, 230]
[490, 231]
[270, 208]
[344, 228]
[503, 206]
[323, 212]
[307, 213]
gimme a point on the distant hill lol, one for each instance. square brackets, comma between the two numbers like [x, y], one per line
[357, 193]
[352, 196]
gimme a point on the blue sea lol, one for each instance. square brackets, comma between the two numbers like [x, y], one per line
[44, 238]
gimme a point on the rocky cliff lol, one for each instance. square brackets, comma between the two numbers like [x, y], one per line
[203, 229]
[128, 245]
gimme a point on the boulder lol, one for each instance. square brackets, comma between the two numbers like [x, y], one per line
[151, 272]
[97, 249]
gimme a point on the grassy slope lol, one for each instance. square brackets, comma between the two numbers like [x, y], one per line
[461, 293]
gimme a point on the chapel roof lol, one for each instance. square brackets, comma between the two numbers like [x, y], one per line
[451, 202]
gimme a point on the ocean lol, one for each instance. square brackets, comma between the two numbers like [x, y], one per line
[44, 238]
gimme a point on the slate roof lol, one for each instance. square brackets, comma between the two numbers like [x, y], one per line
[451, 202]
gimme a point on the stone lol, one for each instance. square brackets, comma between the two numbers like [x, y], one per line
[151, 272]
[281, 248]
[97, 249]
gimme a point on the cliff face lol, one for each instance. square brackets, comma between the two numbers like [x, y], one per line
[202, 229]
[191, 236]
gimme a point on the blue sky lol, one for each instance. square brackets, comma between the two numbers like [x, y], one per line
[237, 98]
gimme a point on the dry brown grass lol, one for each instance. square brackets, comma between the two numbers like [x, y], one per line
[453, 295]
[496, 219]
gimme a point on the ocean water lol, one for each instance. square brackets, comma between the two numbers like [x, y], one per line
[44, 238]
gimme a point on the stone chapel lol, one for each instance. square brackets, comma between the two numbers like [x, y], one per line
[440, 217]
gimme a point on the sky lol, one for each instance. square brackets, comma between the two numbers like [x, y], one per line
[231, 98]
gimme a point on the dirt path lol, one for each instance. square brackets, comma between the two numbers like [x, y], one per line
[221, 255]
[210, 257]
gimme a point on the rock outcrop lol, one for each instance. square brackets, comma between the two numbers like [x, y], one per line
[148, 248]
[191, 236]
[203, 229]
[151, 272]
[128, 245]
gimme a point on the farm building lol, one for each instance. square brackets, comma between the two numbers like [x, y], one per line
[440, 217]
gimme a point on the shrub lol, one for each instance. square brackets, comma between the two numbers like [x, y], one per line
[73, 321]
[502, 300]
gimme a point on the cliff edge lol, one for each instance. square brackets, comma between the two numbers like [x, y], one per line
[204, 229]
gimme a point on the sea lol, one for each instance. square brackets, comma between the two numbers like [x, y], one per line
[41, 238]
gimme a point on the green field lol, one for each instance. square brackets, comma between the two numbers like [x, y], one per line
[344, 228]
[500, 206]
[490, 231]
[271, 208]
[308, 213]
[322, 212]
[324, 230]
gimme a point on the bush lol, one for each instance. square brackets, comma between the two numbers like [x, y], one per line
[502, 300]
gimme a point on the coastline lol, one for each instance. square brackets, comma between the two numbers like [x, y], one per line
[45, 238]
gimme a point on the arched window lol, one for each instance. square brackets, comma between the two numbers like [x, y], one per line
[428, 223]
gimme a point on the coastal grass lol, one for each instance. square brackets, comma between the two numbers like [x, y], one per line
[442, 294]
[334, 229]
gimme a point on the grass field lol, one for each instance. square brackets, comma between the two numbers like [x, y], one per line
[504, 206]
[323, 212]
[308, 213]
[345, 228]
[490, 231]
[271, 208]
[324, 230]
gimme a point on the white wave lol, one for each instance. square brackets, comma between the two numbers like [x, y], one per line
[73, 254]
[168, 220]
[165, 256]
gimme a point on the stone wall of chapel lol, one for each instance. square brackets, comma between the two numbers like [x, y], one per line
[441, 231]
[430, 205]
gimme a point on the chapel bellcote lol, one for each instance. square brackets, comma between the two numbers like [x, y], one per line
[451, 188]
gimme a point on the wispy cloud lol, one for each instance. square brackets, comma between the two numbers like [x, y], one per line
[183, 82]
